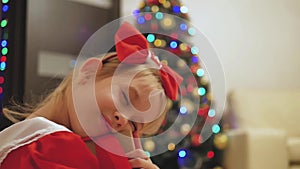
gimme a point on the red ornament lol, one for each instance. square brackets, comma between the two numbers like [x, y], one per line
[210, 154]
[155, 2]
[3, 59]
[194, 68]
[203, 111]
[1, 79]
[148, 16]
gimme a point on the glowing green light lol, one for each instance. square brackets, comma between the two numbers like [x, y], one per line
[3, 23]
[201, 91]
[192, 31]
[216, 129]
[194, 50]
[150, 38]
[159, 15]
[4, 51]
[5, 1]
[200, 72]
[211, 113]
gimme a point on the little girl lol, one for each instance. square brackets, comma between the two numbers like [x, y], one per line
[52, 134]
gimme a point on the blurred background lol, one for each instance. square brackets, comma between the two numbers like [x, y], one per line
[258, 43]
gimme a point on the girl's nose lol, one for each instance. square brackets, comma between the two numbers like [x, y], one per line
[119, 121]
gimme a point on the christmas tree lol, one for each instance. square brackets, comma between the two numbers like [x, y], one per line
[169, 18]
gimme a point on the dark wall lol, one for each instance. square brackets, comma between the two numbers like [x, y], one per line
[58, 26]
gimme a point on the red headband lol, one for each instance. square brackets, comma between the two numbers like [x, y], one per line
[130, 41]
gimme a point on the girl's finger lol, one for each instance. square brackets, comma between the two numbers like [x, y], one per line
[141, 163]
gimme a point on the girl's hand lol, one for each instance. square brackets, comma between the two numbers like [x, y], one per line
[142, 163]
[138, 159]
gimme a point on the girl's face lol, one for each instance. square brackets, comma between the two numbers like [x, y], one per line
[138, 96]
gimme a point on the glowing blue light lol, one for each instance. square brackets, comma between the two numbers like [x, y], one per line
[183, 110]
[141, 20]
[211, 113]
[192, 31]
[184, 9]
[201, 91]
[200, 72]
[150, 38]
[159, 15]
[136, 12]
[176, 9]
[216, 129]
[182, 153]
[183, 27]
[2, 65]
[194, 50]
[5, 8]
[4, 43]
[173, 44]
[195, 59]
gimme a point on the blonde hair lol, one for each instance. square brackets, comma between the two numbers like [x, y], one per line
[150, 77]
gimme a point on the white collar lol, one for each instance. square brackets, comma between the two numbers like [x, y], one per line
[26, 132]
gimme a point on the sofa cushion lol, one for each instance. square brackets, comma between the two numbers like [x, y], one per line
[266, 108]
[295, 167]
[293, 144]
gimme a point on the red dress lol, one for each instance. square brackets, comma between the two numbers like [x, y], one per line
[41, 144]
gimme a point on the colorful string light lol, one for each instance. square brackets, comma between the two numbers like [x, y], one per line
[182, 153]
[195, 59]
[184, 9]
[211, 113]
[192, 31]
[183, 110]
[183, 27]
[150, 38]
[173, 44]
[141, 20]
[4, 43]
[200, 72]
[159, 16]
[5, 1]
[176, 9]
[216, 128]
[201, 91]
[210, 154]
[157, 21]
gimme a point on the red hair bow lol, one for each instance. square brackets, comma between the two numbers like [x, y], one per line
[130, 42]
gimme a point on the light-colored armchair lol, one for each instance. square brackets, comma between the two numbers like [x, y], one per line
[265, 129]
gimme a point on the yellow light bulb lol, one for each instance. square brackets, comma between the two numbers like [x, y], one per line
[155, 8]
[142, 4]
[183, 47]
[157, 43]
[171, 146]
[162, 1]
[167, 4]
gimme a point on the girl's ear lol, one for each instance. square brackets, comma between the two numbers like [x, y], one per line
[89, 69]
[91, 65]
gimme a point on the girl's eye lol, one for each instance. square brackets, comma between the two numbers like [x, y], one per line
[125, 98]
